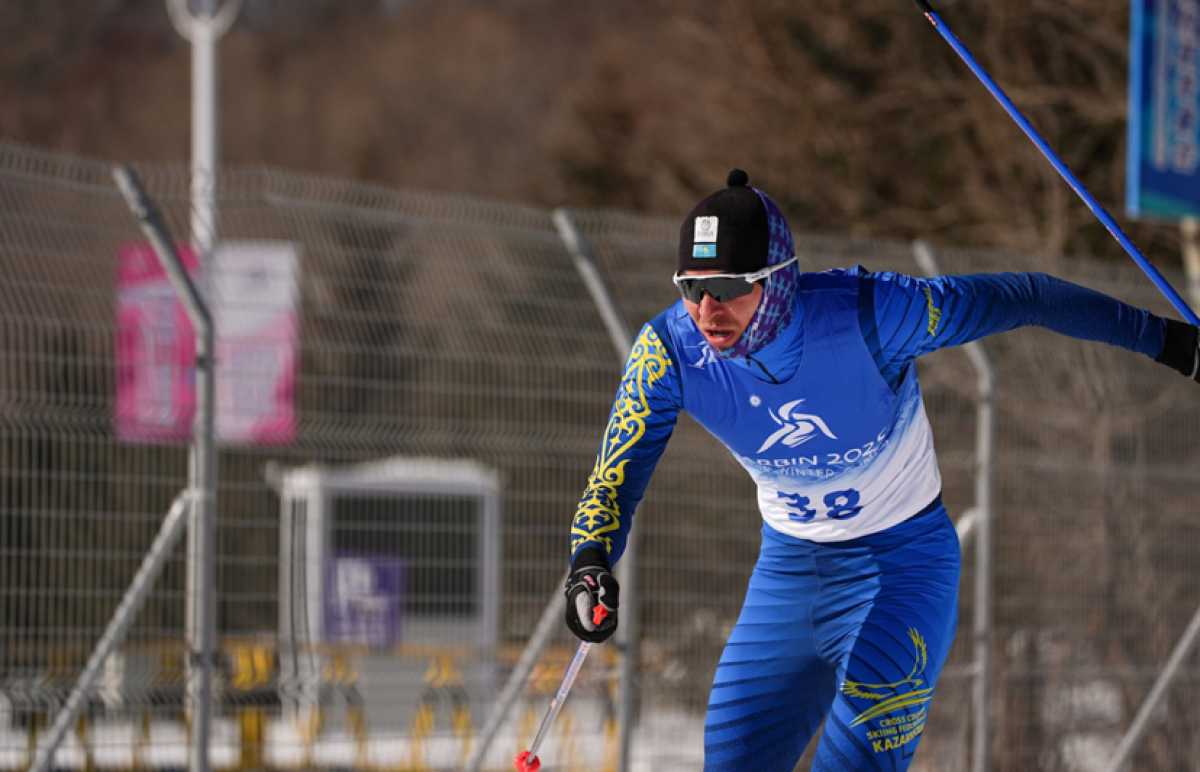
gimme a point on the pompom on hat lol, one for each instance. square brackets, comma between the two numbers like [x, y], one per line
[739, 229]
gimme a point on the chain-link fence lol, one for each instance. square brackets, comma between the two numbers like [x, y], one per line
[383, 555]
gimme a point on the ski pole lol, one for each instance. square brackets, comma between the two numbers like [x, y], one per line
[1104, 217]
[527, 761]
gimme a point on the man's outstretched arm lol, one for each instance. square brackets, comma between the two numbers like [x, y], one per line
[904, 317]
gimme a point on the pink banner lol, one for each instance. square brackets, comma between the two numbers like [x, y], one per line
[155, 350]
[253, 304]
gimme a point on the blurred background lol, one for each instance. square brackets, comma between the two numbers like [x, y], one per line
[413, 372]
[856, 117]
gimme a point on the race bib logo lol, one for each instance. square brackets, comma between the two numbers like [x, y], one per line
[795, 428]
[704, 356]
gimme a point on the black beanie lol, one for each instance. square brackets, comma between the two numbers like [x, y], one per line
[727, 232]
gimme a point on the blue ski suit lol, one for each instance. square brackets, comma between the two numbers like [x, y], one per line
[850, 610]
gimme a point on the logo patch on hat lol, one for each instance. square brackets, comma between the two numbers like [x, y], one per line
[706, 229]
[704, 250]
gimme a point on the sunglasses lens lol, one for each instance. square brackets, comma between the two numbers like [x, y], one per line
[721, 289]
[691, 289]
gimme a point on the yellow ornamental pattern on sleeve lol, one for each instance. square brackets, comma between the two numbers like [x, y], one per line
[599, 514]
[935, 313]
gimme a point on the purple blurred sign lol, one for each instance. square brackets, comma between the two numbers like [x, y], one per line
[364, 598]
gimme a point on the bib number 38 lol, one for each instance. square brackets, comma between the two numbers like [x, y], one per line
[839, 505]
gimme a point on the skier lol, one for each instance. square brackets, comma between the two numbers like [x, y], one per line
[809, 380]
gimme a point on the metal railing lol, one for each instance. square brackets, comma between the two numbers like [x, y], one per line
[447, 327]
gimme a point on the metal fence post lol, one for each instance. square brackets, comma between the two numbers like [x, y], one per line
[511, 691]
[981, 524]
[168, 535]
[628, 633]
[201, 579]
[1170, 670]
[203, 29]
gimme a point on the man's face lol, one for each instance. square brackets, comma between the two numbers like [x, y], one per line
[722, 324]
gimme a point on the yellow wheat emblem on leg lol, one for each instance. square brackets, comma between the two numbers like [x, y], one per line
[915, 677]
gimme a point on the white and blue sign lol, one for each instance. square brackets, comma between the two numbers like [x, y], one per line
[1163, 162]
[364, 596]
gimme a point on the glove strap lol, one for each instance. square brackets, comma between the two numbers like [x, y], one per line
[590, 557]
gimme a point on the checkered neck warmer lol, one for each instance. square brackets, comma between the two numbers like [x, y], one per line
[775, 308]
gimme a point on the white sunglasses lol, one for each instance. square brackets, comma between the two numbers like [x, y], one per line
[723, 287]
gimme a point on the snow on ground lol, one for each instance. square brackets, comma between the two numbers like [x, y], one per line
[665, 741]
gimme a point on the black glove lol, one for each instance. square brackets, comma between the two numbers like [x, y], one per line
[1181, 349]
[592, 597]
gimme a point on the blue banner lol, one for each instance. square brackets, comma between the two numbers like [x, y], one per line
[1163, 162]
